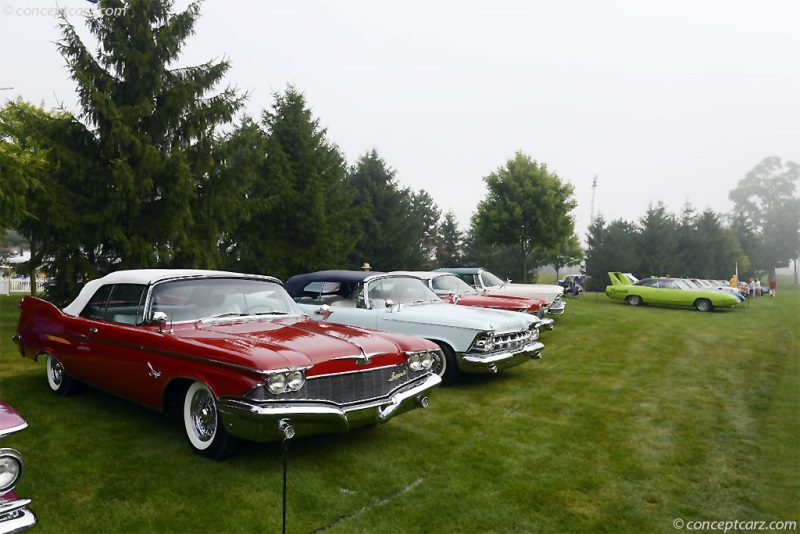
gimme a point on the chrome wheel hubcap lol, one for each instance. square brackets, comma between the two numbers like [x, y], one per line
[204, 415]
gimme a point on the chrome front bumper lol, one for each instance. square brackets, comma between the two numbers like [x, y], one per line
[267, 421]
[497, 361]
[547, 323]
[15, 514]
[557, 307]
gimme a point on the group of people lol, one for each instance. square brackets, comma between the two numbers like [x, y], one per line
[754, 288]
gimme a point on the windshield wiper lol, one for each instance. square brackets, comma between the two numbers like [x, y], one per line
[227, 314]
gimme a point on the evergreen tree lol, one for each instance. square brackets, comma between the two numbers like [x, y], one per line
[657, 243]
[299, 211]
[706, 248]
[718, 247]
[610, 248]
[389, 237]
[425, 216]
[149, 133]
[449, 243]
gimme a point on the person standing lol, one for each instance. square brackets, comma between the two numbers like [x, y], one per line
[752, 287]
[772, 285]
[758, 287]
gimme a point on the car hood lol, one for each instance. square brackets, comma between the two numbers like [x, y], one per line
[504, 302]
[441, 313]
[544, 291]
[293, 342]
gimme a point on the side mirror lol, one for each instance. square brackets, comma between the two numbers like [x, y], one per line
[160, 318]
[389, 303]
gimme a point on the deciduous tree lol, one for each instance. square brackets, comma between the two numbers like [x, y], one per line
[526, 206]
[766, 197]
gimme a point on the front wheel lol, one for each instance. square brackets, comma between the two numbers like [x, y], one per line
[204, 428]
[57, 378]
[703, 305]
[445, 365]
[634, 300]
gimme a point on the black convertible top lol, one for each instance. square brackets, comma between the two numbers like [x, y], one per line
[294, 285]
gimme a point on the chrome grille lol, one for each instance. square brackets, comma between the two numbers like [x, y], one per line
[347, 388]
[511, 341]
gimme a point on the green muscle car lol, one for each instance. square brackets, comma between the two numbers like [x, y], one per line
[671, 292]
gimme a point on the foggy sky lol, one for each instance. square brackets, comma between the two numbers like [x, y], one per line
[662, 101]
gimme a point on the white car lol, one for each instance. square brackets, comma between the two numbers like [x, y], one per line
[484, 280]
[473, 340]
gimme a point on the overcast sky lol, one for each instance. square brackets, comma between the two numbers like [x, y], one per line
[671, 101]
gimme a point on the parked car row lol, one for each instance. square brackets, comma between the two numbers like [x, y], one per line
[471, 339]
[240, 356]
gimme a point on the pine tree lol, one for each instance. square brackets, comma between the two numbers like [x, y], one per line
[450, 244]
[300, 216]
[150, 134]
[389, 236]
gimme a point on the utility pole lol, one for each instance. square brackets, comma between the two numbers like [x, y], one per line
[594, 187]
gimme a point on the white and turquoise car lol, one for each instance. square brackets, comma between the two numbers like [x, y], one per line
[473, 340]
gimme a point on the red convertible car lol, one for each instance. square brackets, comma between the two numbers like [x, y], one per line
[232, 354]
[14, 512]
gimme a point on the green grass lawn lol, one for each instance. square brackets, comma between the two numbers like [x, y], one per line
[634, 418]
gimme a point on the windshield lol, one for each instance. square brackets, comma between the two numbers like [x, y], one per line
[201, 298]
[445, 285]
[400, 290]
[490, 280]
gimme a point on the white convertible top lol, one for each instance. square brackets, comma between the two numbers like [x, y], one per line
[144, 277]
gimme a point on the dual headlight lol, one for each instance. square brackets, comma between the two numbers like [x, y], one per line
[285, 382]
[420, 361]
[10, 469]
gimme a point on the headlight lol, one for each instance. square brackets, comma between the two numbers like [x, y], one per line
[285, 381]
[10, 469]
[419, 361]
[276, 383]
[486, 343]
[295, 380]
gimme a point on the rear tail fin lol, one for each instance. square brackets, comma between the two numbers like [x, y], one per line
[619, 279]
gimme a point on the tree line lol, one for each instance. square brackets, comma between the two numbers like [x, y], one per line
[160, 168]
[761, 234]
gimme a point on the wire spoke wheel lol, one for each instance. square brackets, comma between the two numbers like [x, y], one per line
[204, 428]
